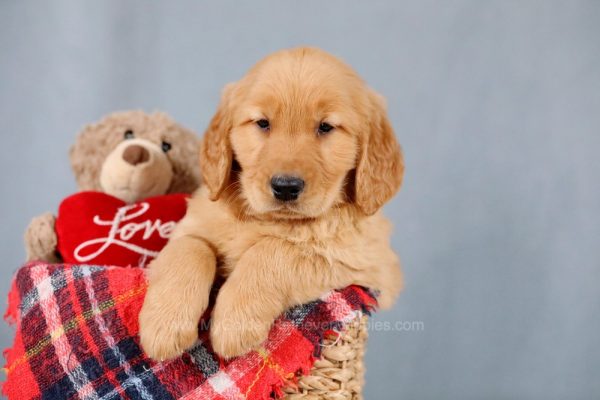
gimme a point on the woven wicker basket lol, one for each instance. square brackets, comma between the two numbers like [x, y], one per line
[339, 374]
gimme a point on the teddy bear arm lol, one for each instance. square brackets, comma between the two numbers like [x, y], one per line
[41, 239]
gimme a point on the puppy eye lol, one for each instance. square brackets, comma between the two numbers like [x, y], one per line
[324, 127]
[128, 134]
[263, 124]
[166, 146]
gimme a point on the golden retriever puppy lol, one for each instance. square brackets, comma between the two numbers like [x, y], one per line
[297, 161]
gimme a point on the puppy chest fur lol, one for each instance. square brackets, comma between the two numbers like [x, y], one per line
[342, 243]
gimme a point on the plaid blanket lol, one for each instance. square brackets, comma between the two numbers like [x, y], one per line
[77, 338]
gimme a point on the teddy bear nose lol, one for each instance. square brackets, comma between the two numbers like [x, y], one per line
[135, 154]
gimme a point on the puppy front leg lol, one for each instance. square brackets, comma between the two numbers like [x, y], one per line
[179, 283]
[269, 278]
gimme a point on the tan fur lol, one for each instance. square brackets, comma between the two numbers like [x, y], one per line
[131, 183]
[41, 240]
[96, 159]
[96, 142]
[276, 255]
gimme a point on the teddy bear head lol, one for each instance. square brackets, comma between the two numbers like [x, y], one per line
[133, 155]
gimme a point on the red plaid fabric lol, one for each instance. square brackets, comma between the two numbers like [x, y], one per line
[77, 338]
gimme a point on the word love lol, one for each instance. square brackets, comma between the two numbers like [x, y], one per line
[121, 231]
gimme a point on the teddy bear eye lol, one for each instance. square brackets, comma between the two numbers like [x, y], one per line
[166, 146]
[128, 134]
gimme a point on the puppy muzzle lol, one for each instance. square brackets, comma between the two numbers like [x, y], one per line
[286, 188]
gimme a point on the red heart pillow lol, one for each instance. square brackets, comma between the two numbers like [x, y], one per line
[96, 228]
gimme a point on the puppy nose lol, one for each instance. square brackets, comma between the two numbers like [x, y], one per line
[286, 188]
[135, 154]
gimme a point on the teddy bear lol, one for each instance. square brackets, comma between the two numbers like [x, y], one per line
[128, 156]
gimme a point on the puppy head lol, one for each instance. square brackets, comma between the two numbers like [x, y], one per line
[300, 134]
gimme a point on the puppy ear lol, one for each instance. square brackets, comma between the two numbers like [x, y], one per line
[216, 156]
[380, 166]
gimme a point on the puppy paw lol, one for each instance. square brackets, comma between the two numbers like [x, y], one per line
[238, 327]
[168, 326]
[167, 338]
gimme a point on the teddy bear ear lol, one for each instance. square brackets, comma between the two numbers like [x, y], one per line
[87, 155]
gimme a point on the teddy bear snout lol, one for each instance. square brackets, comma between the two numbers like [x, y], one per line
[136, 169]
[135, 154]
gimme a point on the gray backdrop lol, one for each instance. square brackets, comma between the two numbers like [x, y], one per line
[497, 105]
